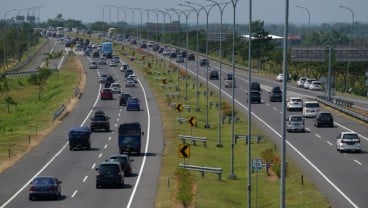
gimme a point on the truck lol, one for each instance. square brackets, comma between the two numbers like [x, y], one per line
[106, 49]
[79, 137]
[130, 138]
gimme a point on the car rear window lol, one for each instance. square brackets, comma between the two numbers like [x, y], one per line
[312, 105]
[350, 136]
[108, 168]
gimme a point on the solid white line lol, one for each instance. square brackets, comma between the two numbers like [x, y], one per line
[145, 150]
[74, 193]
[85, 178]
[329, 143]
[359, 163]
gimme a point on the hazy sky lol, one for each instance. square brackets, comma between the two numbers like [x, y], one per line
[269, 11]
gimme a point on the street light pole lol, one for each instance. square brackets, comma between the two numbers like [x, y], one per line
[197, 11]
[11, 10]
[350, 43]
[308, 12]
[207, 11]
[222, 9]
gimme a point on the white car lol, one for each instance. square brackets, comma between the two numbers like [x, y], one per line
[348, 141]
[308, 82]
[301, 81]
[124, 66]
[280, 78]
[316, 85]
[132, 77]
[115, 87]
[295, 123]
[112, 63]
[294, 103]
[310, 108]
[130, 83]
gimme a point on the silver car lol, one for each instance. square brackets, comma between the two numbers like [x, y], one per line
[348, 141]
[295, 123]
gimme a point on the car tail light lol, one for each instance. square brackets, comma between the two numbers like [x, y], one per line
[32, 188]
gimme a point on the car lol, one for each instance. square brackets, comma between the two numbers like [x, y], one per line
[295, 123]
[124, 66]
[109, 174]
[324, 119]
[301, 81]
[45, 186]
[179, 59]
[308, 82]
[204, 62]
[191, 57]
[133, 77]
[275, 94]
[255, 97]
[348, 141]
[214, 75]
[183, 54]
[93, 65]
[113, 63]
[109, 79]
[102, 61]
[115, 87]
[133, 104]
[130, 82]
[229, 83]
[229, 76]
[123, 99]
[316, 85]
[102, 78]
[125, 163]
[100, 121]
[255, 86]
[173, 55]
[294, 104]
[280, 77]
[310, 108]
[116, 58]
[106, 94]
[128, 72]
[96, 54]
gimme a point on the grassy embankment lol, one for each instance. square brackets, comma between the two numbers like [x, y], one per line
[28, 122]
[209, 191]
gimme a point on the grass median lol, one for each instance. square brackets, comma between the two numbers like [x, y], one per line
[208, 191]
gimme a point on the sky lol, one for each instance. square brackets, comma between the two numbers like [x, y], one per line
[269, 11]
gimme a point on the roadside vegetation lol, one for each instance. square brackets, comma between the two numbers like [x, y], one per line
[183, 188]
[27, 105]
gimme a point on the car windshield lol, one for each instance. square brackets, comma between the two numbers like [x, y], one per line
[43, 181]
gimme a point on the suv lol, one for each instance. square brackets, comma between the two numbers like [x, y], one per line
[133, 104]
[100, 121]
[294, 103]
[324, 119]
[255, 97]
[109, 174]
[348, 141]
[204, 62]
[255, 86]
[79, 137]
[125, 163]
[214, 75]
[310, 108]
[109, 79]
[275, 94]
[295, 123]
[123, 99]
[106, 94]
[301, 81]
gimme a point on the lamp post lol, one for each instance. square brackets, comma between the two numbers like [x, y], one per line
[250, 107]
[11, 10]
[164, 14]
[197, 11]
[124, 18]
[154, 11]
[222, 9]
[308, 12]
[207, 11]
[350, 43]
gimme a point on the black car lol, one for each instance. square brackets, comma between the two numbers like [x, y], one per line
[109, 174]
[229, 76]
[255, 86]
[109, 79]
[204, 62]
[324, 119]
[123, 99]
[214, 75]
[45, 186]
[100, 121]
[191, 57]
[173, 55]
[125, 163]
[96, 54]
[128, 72]
[276, 94]
[255, 97]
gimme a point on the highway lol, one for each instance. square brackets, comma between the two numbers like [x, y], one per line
[76, 168]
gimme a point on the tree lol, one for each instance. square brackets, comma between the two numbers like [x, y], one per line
[40, 79]
[262, 44]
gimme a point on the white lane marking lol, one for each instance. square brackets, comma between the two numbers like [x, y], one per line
[74, 193]
[85, 178]
[145, 150]
[359, 163]
[317, 135]
[100, 155]
[116, 125]
[119, 113]
[109, 138]
[105, 146]
[117, 119]
[329, 143]
[93, 166]
[274, 108]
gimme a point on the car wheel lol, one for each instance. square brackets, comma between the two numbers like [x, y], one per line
[71, 148]
[98, 186]
[31, 198]
[89, 147]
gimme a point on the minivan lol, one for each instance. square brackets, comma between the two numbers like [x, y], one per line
[310, 108]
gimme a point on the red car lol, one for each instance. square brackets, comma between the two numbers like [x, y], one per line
[106, 94]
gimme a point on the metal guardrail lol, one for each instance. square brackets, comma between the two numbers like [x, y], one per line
[193, 139]
[58, 112]
[203, 169]
[337, 105]
[23, 73]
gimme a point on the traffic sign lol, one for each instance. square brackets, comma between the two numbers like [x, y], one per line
[184, 150]
[179, 107]
[192, 121]
[257, 164]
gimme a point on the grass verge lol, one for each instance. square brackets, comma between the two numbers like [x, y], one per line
[208, 191]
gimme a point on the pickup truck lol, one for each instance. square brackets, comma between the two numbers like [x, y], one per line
[100, 122]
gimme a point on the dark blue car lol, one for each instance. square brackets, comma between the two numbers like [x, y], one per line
[133, 104]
